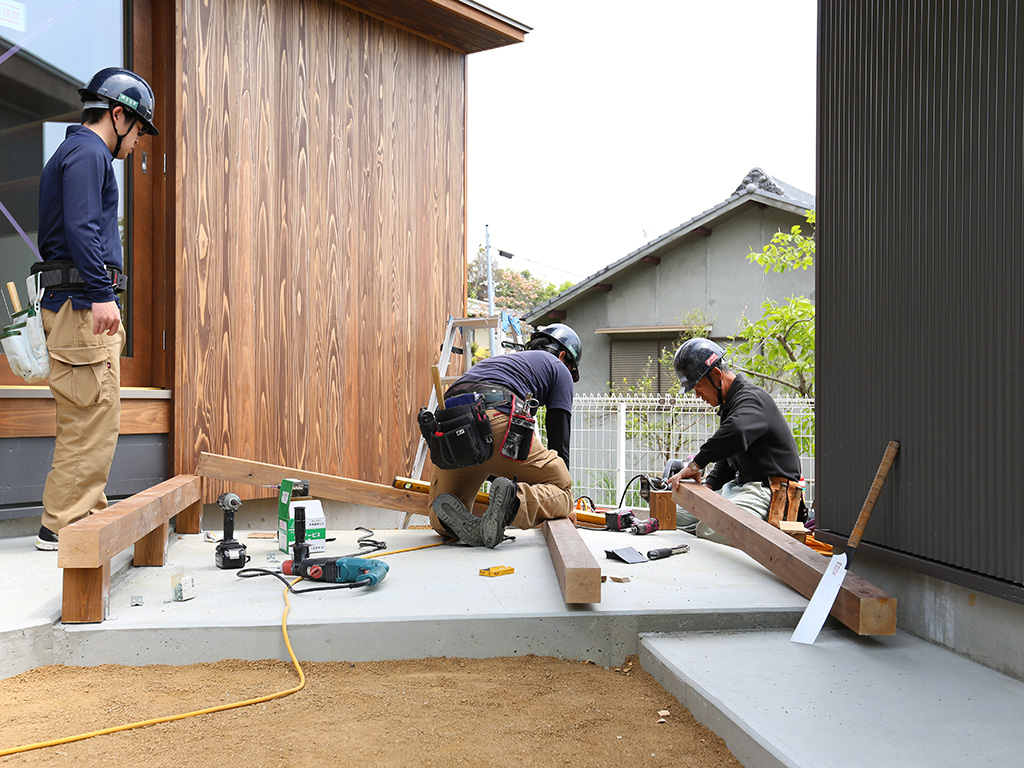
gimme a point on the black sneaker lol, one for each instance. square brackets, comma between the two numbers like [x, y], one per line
[458, 520]
[500, 512]
[46, 540]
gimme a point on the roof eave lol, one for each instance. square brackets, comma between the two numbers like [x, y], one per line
[661, 244]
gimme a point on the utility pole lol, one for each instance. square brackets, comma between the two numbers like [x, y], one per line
[490, 287]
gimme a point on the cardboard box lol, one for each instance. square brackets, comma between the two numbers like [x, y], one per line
[316, 521]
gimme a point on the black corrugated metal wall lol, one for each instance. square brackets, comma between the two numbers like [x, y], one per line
[920, 282]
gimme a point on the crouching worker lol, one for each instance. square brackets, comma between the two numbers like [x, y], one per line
[494, 404]
[753, 450]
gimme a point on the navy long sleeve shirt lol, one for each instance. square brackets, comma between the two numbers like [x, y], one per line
[78, 216]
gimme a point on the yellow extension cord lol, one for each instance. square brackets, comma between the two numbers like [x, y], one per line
[208, 710]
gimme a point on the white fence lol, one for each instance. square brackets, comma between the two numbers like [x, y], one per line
[615, 438]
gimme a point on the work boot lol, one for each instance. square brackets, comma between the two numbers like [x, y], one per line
[458, 520]
[46, 540]
[500, 513]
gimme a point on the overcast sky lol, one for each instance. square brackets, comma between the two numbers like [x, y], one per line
[614, 123]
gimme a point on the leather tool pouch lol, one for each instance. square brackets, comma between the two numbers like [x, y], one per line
[460, 434]
[519, 435]
[787, 502]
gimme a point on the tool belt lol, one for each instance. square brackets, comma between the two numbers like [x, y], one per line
[458, 435]
[787, 501]
[494, 395]
[63, 275]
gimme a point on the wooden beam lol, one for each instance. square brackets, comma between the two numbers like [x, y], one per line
[606, 287]
[94, 540]
[706, 231]
[577, 570]
[558, 314]
[652, 259]
[862, 607]
[322, 486]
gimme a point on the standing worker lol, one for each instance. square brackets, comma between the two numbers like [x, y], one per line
[537, 487]
[753, 447]
[81, 275]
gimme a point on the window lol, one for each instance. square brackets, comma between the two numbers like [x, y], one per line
[48, 50]
[634, 360]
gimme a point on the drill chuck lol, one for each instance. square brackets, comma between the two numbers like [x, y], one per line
[643, 527]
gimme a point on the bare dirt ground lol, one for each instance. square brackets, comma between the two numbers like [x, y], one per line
[520, 711]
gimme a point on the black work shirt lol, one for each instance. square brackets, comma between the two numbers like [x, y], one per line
[753, 442]
[78, 216]
[537, 374]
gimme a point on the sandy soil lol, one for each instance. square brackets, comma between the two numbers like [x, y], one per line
[521, 711]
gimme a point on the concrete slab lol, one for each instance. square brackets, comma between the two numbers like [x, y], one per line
[432, 603]
[844, 701]
[711, 625]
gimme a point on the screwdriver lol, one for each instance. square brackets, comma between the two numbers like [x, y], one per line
[658, 554]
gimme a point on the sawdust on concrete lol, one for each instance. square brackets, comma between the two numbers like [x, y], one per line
[518, 711]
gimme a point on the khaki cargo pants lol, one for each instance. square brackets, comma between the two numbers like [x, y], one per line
[544, 483]
[85, 379]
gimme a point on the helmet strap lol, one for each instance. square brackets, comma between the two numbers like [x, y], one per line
[121, 137]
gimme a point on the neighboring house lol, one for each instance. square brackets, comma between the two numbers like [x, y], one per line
[631, 310]
[283, 231]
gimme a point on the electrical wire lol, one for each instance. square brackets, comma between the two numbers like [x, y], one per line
[171, 718]
[221, 707]
[626, 489]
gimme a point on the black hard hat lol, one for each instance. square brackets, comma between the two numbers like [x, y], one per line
[694, 359]
[122, 87]
[566, 339]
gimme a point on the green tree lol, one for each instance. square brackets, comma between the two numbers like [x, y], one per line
[514, 291]
[778, 349]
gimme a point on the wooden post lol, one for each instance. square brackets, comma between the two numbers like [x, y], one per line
[86, 595]
[190, 519]
[663, 509]
[151, 549]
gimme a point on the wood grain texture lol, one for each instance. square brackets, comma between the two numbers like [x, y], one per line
[321, 246]
[85, 598]
[36, 417]
[663, 509]
[862, 607]
[94, 540]
[320, 486]
[576, 568]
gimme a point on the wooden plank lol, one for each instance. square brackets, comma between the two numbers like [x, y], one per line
[94, 540]
[36, 417]
[577, 570]
[862, 607]
[663, 509]
[86, 595]
[321, 486]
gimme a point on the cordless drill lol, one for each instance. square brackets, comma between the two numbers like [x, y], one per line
[230, 553]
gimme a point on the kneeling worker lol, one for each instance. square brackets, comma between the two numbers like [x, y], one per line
[542, 374]
[753, 447]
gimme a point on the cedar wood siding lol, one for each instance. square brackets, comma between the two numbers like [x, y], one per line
[320, 230]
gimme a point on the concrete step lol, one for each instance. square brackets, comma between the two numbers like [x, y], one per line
[845, 701]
